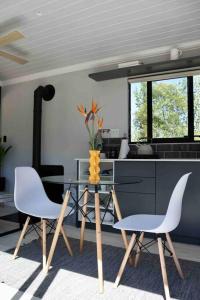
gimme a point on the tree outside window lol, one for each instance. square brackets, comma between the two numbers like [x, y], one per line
[196, 107]
[168, 107]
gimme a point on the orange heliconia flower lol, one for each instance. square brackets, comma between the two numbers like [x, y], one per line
[82, 110]
[100, 123]
[93, 123]
[95, 107]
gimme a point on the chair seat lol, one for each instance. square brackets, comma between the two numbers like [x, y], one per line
[48, 210]
[144, 223]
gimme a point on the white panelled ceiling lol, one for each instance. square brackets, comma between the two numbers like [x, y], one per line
[73, 32]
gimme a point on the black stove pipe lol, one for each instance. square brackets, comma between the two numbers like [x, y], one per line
[54, 191]
[47, 93]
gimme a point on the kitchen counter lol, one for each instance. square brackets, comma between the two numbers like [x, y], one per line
[158, 159]
[158, 178]
[144, 159]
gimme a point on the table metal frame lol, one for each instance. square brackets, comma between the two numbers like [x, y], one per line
[83, 210]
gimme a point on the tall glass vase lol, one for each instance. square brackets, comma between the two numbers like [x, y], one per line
[94, 166]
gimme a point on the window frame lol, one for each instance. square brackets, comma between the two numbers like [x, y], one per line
[190, 103]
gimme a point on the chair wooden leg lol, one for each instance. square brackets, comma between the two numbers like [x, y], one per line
[119, 217]
[138, 250]
[57, 231]
[21, 237]
[85, 200]
[126, 256]
[44, 246]
[163, 269]
[41, 234]
[66, 241]
[175, 258]
[99, 242]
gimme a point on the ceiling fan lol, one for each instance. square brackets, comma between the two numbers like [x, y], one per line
[6, 40]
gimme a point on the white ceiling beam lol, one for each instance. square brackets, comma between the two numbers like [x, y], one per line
[110, 62]
[86, 66]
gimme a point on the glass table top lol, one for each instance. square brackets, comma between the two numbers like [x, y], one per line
[66, 180]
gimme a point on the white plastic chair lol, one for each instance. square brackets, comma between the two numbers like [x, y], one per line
[158, 224]
[30, 198]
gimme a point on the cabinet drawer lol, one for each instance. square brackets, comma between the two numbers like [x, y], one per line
[135, 168]
[131, 204]
[147, 185]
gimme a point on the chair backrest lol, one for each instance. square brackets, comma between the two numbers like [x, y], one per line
[28, 189]
[173, 214]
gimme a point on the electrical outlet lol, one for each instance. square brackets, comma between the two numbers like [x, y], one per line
[114, 133]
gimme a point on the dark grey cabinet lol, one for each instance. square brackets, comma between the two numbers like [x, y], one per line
[139, 197]
[135, 168]
[145, 186]
[136, 203]
[167, 175]
[152, 195]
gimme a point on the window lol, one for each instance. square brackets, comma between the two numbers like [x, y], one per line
[139, 111]
[196, 89]
[166, 110]
[169, 108]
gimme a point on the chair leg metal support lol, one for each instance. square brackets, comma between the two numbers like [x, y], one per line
[83, 222]
[165, 248]
[139, 248]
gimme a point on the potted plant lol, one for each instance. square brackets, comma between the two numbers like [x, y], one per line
[3, 151]
[93, 125]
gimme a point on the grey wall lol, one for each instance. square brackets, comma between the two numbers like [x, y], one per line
[64, 136]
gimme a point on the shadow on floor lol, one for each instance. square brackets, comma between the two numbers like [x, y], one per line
[146, 276]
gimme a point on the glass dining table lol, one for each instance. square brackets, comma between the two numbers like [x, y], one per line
[80, 205]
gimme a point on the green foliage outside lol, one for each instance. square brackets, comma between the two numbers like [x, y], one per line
[169, 106]
[197, 107]
[139, 117]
